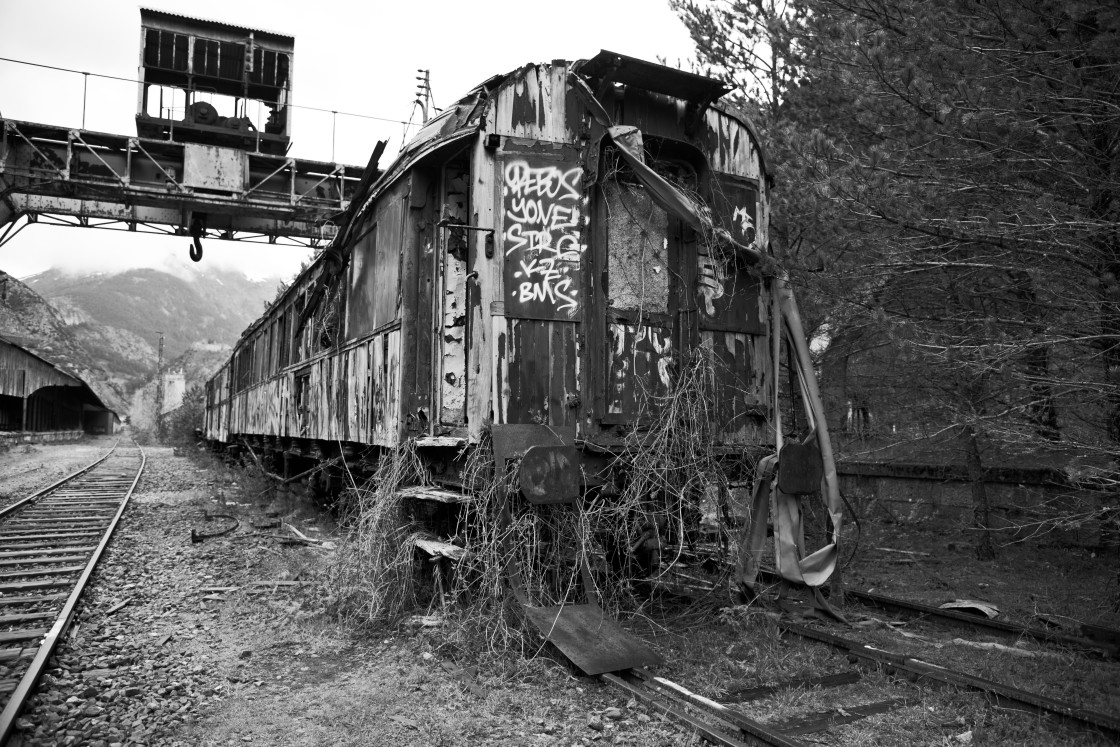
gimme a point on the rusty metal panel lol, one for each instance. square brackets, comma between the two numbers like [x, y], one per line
[532, 104]
[639, 360]
[393, 420]
[538, 371]
[550, 474]
[214, 167]
[262, 409]
[727, 299]
[383, 399]
[729, 145]
[594, 642]
[543, 217]
[737, 396]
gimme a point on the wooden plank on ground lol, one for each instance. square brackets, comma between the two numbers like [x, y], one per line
[740, 695]
[820, 721]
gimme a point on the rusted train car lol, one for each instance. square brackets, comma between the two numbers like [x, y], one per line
[510, 267]
[538, 264]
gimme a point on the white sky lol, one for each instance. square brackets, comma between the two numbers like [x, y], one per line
[358, 57]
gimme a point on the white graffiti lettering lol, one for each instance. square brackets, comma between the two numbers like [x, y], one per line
[522, 180]
[745, 222]
[543, 209]
[710, 283]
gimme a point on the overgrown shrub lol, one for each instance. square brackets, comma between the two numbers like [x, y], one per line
[180, 425]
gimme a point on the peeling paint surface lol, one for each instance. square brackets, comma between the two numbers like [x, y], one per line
[528, 285]
[541, 364]
[351, 396]
[452, 345]
[738, 393]
[639, 371]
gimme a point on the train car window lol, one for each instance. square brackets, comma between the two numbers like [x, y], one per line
[358, 312]
[303, 402]
[374, 287]
[298, 352]
[727, 293]
[388, 266]
[166, 49]
[270, 369]
[218, 59]
[244, 361]
[642, 283]
[637, 249]
[327, 320]
[285, 335]
[259, 351]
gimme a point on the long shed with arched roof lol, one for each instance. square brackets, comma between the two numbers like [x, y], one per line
[40, 400]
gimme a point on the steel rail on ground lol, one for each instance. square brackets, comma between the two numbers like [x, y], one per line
[996, 692]
[1080, 644]
[62, 622]
[38, 493]
[714, 722]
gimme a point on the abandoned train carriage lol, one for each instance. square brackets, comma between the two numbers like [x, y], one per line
[542, 258]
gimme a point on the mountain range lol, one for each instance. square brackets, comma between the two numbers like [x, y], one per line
[106, 327]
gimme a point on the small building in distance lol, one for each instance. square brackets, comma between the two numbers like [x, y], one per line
[41, 402]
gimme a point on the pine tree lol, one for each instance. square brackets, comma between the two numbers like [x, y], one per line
[949, 185]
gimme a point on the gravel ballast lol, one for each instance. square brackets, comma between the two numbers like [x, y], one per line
[218, 643]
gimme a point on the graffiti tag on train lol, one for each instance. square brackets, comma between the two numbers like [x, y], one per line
[543, 208]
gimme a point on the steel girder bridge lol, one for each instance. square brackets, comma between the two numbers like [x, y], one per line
[200, 165]
[76, 177]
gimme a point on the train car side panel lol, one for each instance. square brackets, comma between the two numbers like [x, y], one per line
[484, 310]
[216, 421]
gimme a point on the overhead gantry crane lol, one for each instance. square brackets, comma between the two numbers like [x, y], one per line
[213, 121]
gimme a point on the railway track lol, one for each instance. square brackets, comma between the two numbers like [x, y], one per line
[1094, 640]
[907, 676]
[50, 543]
[730, 722]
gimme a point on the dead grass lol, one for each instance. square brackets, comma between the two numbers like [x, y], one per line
[666, 492]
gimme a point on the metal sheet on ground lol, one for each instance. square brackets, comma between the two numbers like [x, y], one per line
[592, 641]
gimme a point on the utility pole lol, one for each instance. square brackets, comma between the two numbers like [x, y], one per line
[424, 91]
[159, 392]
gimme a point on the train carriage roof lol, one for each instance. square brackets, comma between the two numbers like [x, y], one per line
[466, 117]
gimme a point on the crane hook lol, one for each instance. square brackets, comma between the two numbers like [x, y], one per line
[196, 237]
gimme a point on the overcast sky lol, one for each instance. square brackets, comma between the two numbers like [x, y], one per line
[358, 57]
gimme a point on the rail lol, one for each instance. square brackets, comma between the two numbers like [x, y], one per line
[50, 639]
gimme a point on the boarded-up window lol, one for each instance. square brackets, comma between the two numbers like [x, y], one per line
[637, 249]
[375, 274]
[284, 331]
